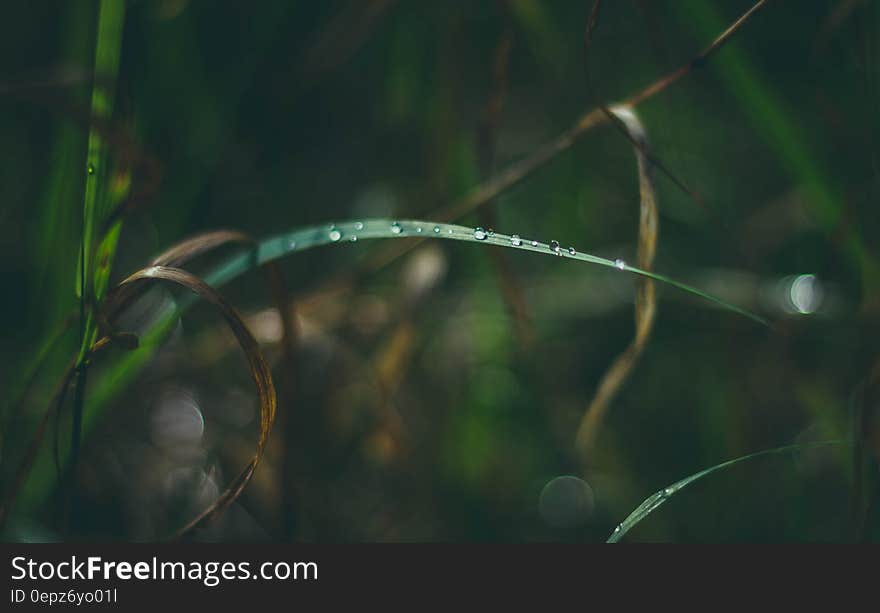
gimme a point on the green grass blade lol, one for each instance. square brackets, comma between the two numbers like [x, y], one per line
[657, 499]
[126, 368]
[96, 252]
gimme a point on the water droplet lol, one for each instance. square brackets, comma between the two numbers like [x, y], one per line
[490, 231]
[554, 247]
[616, 529]
[353, 238]
[479, 234]
[572, 251]
[395, 228]
[90, 169]
[515, 240]
[291, 244]
[619, 264]
[449, 231]
[419, 230]
[534, 243]
[334, 235]
[359, 226]
[667, 491]
[436, 229]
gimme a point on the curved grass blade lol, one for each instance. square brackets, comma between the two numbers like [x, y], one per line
[646, 295]
[259, 368]
[96, 251]
[175, 256]
[124, 370]
[273, 248]
[656, 500]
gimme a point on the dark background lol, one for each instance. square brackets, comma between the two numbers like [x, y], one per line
[416, 410]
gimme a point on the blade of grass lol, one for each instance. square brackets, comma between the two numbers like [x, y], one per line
[96, 252]
[124, 370]
[176, 256]
[656, 500]
[515, 173]
[646, 298]
[94, 273]
[519, 171]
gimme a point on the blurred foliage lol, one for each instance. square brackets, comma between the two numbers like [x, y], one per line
[413, 410]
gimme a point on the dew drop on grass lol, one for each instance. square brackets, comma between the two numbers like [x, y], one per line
[359, 226]
[515, 240]
[395, 228]
[667, 491]
[90, 169]
[353, 238]
[480, 234]
[534, 243]
[419, 230]
[572, 251]
[291, 244]
[619, 264]
[490, 232]
[436, 229]
[449, 231]
[554, 247]
[334, 235]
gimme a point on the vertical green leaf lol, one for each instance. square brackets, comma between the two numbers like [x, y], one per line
[96, 252]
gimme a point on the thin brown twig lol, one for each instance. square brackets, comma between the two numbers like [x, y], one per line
[651, 157]
[592, 22]
[518, 171]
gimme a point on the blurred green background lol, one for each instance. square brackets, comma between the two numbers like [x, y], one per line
[419, 407]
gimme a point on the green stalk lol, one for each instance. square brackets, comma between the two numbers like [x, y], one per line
[657, 499]
[96, 252]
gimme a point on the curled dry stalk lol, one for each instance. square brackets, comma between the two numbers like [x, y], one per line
[259, 368]
[645, 301]
[165, 267]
